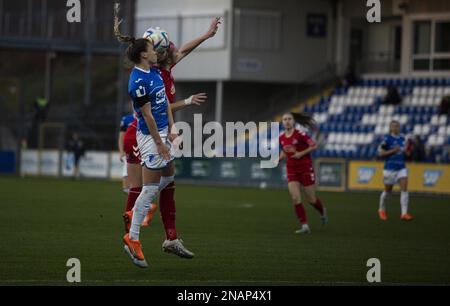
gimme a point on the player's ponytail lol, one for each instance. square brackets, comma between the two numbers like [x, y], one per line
[305, 120]
[136, 45]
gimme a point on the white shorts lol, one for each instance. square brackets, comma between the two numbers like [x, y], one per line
[149, 152]
[124, 169]
[392, 177]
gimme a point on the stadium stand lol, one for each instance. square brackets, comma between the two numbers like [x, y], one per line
[353, 120]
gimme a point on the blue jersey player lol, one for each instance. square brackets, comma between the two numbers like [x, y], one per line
[155, 120]
[124, 124]
[394, 149]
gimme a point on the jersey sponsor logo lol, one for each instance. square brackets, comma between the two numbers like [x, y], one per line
[365, 174]
[431, 177]
[140, 92]
[138, 80]
[161, 96]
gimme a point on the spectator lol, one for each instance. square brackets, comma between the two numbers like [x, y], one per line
[350, 78]
[430, 154]
[76, 147]
[392, 96]
[444, 108]
[41, 107]
[418, 153]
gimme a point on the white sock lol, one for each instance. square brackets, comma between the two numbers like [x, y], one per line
[404, 199]
[383, 197]
[141, 208]
[165, 181]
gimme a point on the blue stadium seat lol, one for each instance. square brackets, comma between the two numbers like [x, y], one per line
[374, 109]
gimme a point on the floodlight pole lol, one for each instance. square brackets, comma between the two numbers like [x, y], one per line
[219, 101]
[89, 31]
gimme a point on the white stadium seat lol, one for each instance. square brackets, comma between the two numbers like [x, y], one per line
[422, 101]
[423, 91]
[434, 120]
[417, 129]
[426, 129]
[404, 119]
[432, 140]
[431, 91]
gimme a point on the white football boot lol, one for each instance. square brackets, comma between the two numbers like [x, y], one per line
[304, 230]
[176, 247]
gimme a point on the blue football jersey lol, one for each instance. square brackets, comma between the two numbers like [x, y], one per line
[125, 122]
[394, 162]
[148, 87]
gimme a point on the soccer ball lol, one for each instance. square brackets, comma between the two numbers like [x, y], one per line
[158, 37]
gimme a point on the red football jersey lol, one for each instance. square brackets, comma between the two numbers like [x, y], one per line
[130, 134]
[297, 142]
[169, 83]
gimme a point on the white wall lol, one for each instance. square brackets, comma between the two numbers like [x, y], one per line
[299, 56]
[210, 63]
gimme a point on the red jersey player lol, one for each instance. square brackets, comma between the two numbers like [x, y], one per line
[296, 148]
[167, 59]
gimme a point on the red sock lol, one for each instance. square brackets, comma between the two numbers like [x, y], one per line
[167, 210]
[300, 212]
[318, 206]
[133, 194]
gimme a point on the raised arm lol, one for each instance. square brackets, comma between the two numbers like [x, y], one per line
[190, 46]
[196, 99]
[121, 145]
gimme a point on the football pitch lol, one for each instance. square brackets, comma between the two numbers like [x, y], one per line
[241, 236]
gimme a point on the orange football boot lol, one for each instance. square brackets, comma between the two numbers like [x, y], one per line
[134, 249]
[149, 216]
[382, 215]
[406, 217]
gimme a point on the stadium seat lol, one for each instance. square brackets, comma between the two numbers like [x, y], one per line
[355, 120]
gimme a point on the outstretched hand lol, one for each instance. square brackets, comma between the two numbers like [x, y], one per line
[199, 98]
[214, 27]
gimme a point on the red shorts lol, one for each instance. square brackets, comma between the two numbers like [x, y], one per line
[305, 178]
[131, 150]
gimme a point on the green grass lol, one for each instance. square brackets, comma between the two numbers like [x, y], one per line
[240, 236]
